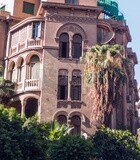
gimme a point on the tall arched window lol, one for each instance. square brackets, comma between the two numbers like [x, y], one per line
[76, 124]
[62, 84]
[77, 46]
[13, 73]
[21, 73]
[64, 45]
[62, 119]
[34, 67]
[76, 85]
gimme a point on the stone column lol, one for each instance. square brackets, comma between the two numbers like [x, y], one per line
[23, 104]
[69, 86]
[39, 109]
[70, 47]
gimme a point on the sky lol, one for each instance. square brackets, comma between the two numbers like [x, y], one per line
[131, 11]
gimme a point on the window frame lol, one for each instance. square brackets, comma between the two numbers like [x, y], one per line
[28, 8]
[64, 42]
[72, 2]
[76, 126]
[76, 44]
[31, 63]
[36, 30]
[20, 71]
[62, 78]
[76, 88]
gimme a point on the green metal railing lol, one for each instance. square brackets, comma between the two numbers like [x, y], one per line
[110, 8]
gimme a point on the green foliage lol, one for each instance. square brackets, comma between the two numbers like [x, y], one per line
[10, 134]
[6, 90]
[34, 143]
[115, 145]
[70, 148]
[21, 138]
[27, 139]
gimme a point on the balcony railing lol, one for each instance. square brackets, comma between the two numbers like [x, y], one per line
[28, 85]
[29, 43]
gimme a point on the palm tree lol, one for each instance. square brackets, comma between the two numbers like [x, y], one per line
[57, 130]
[105, 72]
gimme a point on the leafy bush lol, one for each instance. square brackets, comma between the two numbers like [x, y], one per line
[70, 148]
[10, 134]
[21, 138]
[115, 145]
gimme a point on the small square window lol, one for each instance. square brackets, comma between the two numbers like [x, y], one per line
[28, 8]
[71, 1]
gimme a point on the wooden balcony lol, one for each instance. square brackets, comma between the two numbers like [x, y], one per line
[28, 85]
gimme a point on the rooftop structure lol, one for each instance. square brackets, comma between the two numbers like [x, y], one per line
[111, 9]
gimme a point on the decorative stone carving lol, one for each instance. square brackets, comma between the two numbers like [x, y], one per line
[62, 18]
[71, 28]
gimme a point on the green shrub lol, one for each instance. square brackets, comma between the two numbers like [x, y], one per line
[70, 148]
[115, 145]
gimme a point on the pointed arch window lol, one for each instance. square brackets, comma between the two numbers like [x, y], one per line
[21, 72]
[63, 85]
[34, 67]
[76, 124]
[77, 46]
[64, 45]
[76, 85]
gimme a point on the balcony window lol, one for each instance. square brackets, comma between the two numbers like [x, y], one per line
[34, 67]
[64, 45]
[21, 73]
[36, 30]
[62, 85]
[76, 85]
[28, 8]
[77, 46]
[13, 73]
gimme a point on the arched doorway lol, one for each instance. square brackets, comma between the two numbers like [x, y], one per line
[31, 107]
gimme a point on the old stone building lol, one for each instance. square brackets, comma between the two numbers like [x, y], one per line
[43, 59]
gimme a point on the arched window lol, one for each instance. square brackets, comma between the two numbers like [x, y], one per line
[62, 84]
[64, 45]
[34, 67]
[21, 73]
[76, 85]
[76, 124]
[77, 46]
[71, 1]
[62, 119]
[13, 73]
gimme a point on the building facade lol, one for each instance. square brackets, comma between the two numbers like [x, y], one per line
[43, 59]
[12, 12]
